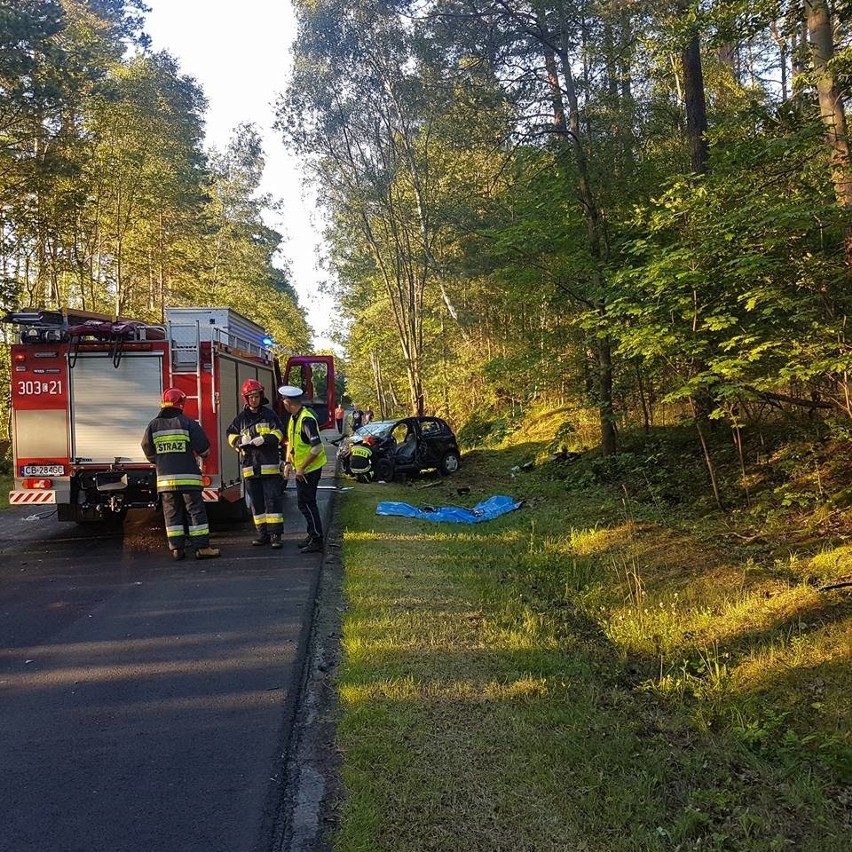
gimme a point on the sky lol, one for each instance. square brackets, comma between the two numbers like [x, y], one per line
[239, 53]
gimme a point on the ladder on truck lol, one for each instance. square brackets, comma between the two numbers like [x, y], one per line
[185, 339]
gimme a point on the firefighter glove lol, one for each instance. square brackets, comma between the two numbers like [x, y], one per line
[244, 442]
[257, 440]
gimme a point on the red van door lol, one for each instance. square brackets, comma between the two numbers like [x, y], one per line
[314, 374]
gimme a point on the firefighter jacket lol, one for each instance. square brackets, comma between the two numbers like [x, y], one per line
[303, 434]
[262, 458]
[172, 441]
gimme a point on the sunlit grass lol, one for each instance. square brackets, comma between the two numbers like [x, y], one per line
[570, 676]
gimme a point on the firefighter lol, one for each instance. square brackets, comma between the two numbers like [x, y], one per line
[305, 458]
[257, 434]
[174, 442]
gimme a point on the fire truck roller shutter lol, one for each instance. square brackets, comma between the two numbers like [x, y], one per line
[252, 371]
[112, 406]
[229, 406]
[43, 434]
[232, 374]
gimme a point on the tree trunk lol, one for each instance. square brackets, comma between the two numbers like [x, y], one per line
[607, 417]
[377, 381]
[696, 105]
[783, 53]
[598, 247]
[554, 86]
[820, 34]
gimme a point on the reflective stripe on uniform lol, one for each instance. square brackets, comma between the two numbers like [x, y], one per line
[171, 440]
[263, 428]
[266, 429]
[265, 470]
[180, 480]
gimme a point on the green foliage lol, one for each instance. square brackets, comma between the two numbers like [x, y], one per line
[736, 283]
[109, 201]
[483, 430]
[487, 261]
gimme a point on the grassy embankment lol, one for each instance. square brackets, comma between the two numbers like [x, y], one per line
[616, 666]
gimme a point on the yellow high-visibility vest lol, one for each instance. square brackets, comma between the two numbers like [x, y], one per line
[299, 450]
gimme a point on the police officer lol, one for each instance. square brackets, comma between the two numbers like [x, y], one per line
[305, 458]
[257, 433]
[173, 442]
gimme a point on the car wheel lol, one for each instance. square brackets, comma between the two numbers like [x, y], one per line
[450, 463]
[384, 470]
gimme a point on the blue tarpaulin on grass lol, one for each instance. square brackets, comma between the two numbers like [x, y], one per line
[487, 510]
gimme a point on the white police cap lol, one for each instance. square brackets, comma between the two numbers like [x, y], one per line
[290, 391]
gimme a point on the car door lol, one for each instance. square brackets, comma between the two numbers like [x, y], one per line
[431, 442]
[404, 442]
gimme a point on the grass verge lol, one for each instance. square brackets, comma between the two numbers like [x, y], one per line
[591, 672]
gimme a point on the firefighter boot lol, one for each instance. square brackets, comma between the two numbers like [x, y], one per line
[178, 553]
[207, 552]
[275, 541]
[305, 541]
[261, 540]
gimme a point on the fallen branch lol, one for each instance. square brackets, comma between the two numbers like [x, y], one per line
[770, 396]
[836, 586]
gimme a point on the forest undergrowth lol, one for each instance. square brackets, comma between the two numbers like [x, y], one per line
[621, 664]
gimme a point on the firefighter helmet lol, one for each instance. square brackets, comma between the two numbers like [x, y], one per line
[174, 398]
[251, 386]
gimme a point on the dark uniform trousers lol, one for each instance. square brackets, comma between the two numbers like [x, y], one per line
[185, 517]
[306, 500]
[267, 503]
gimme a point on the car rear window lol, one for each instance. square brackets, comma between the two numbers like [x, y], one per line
[432, 427]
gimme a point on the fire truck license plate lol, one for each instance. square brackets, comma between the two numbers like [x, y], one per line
[42, 470]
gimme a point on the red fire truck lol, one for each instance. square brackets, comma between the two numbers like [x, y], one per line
[84, 387]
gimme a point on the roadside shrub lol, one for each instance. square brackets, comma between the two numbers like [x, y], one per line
[484, 428]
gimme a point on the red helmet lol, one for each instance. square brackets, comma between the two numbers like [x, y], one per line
[251, 386]
[174, 398]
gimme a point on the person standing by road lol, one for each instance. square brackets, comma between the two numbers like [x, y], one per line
[174, 443]
[357, 418]
[339, 414]
[256, 433]
[305, 457]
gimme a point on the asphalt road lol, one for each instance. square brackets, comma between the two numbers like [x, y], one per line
[146, 704]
